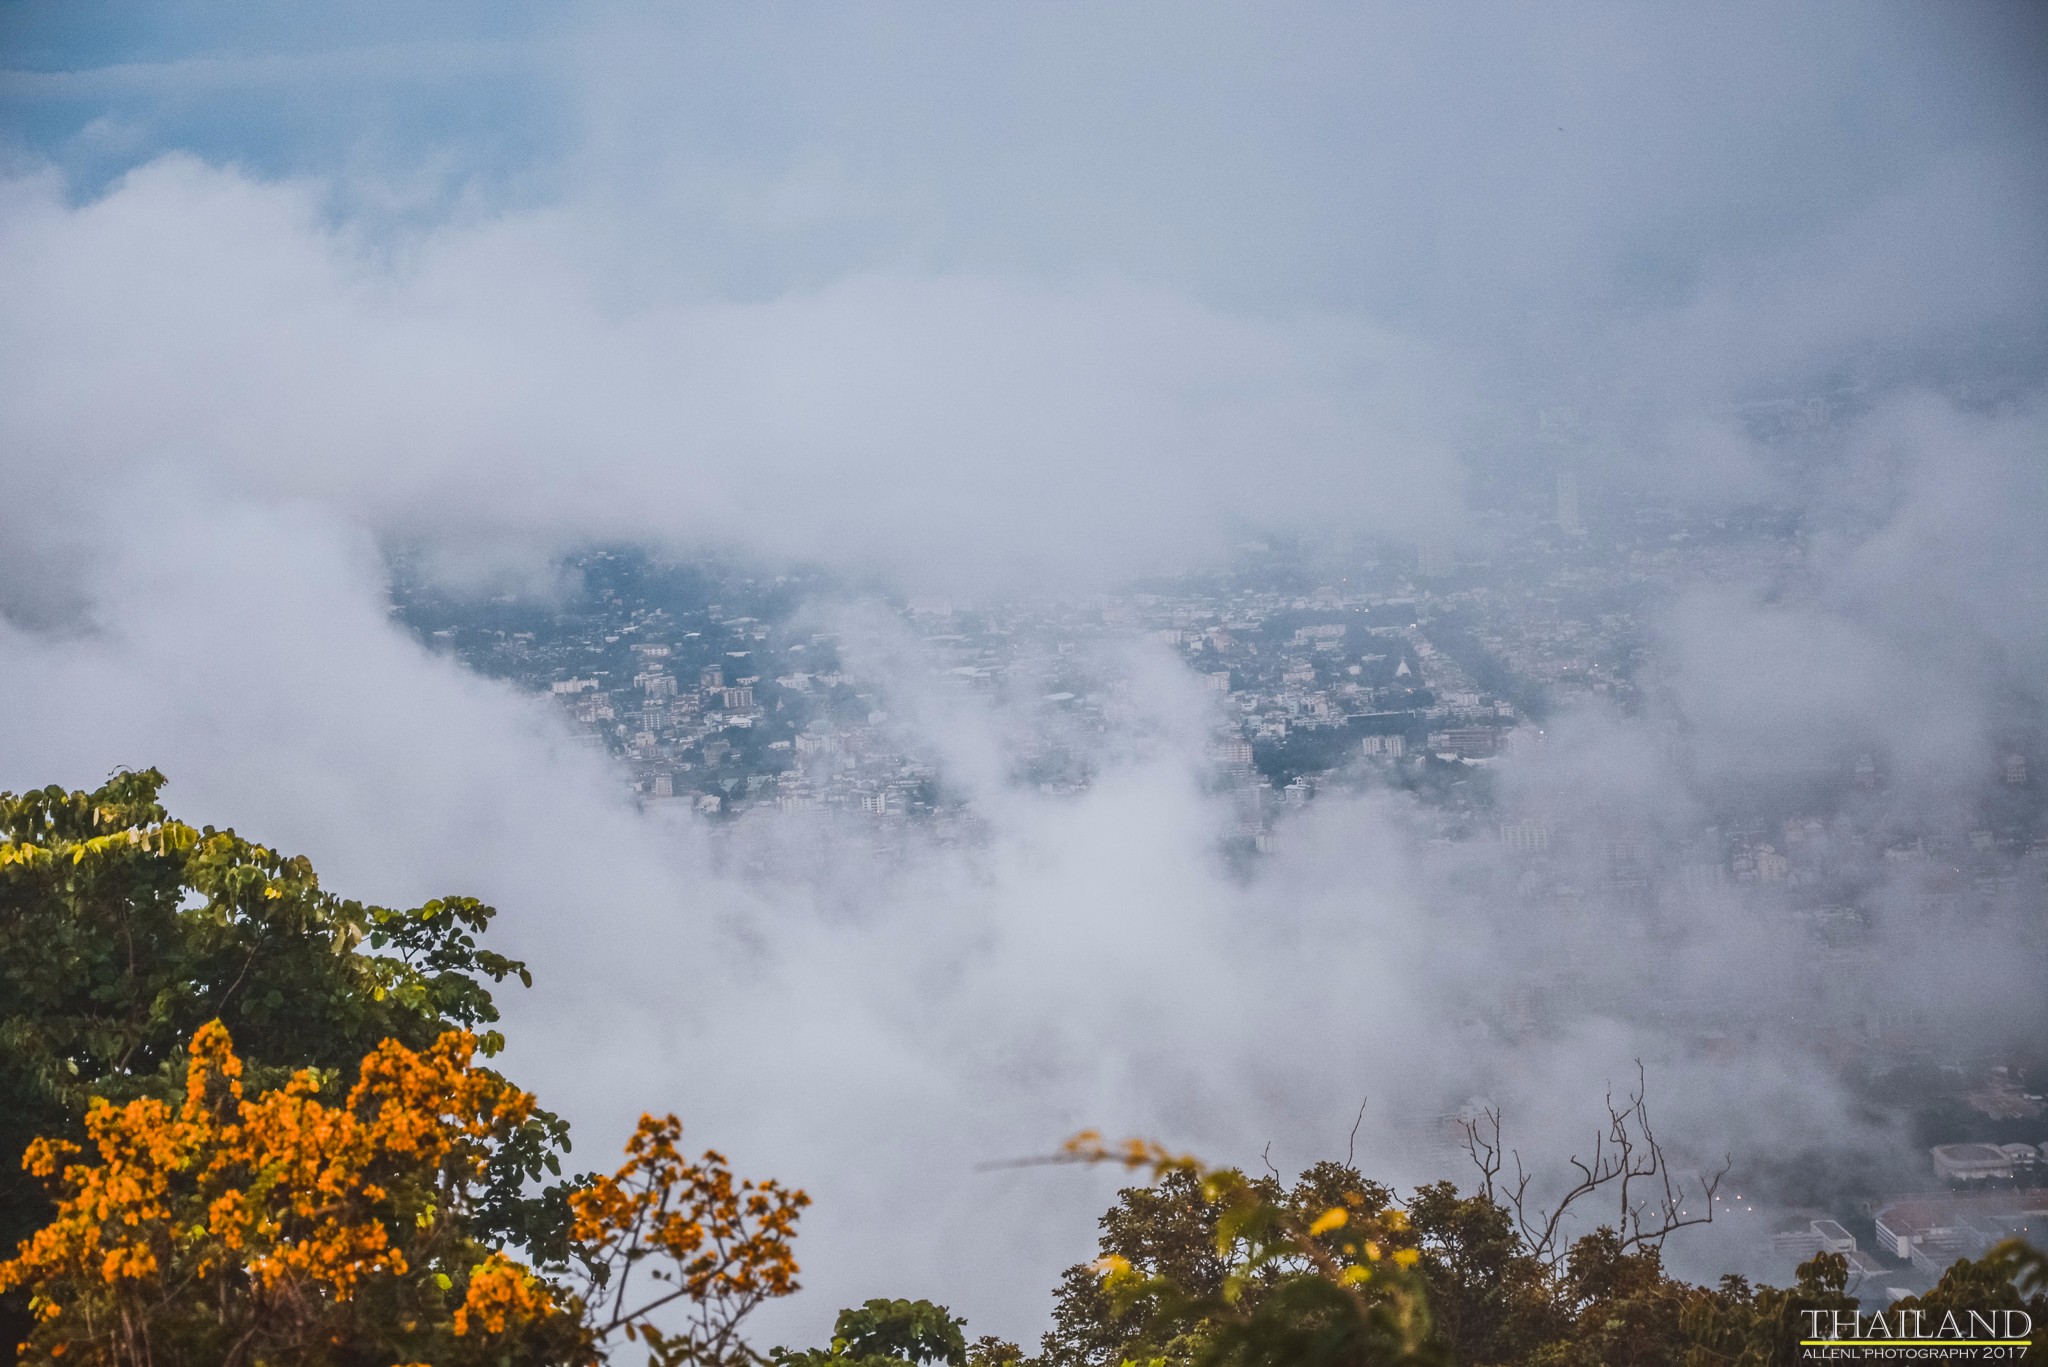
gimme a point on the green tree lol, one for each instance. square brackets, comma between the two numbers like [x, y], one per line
[1214, 1268]
[2013, 1276]
[342, 1184]
[1740, 1326]
[990, 1351]
[1623, 1310]
[1491, 1298]
[1167, 1230]
[124, 930]
[886, 1333]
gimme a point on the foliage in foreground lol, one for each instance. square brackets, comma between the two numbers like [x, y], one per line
[884, 1332]
[243, 1120]
[255, 1129]
[1216, 1269]
[238, 1228]
[123, 931]
[274, 1228]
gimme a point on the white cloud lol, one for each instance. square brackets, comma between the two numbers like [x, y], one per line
[978, 305]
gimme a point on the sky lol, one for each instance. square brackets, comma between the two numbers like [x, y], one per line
[978, 300]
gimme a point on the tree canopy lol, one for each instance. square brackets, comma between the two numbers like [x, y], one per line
[243, 1119]
[123, 931]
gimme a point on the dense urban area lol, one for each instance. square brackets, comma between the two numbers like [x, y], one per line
[737, 699]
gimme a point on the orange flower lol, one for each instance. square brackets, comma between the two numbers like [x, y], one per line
[730, 1242]
[502, 1293]
[301, 1201]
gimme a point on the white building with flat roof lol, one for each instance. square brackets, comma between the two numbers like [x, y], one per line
[1971, 1163]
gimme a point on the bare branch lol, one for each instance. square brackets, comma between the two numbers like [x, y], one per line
[1486, 1153]
[1626, 1158]
[1351, 1149]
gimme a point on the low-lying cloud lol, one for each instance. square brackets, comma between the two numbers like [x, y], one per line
[1012, 354]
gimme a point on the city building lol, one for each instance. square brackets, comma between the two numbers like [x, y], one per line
[1466, 742]
[1971, 1163]
[1802, 1233]
[1933, 1231]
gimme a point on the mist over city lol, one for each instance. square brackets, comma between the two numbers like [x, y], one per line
[1296, 581]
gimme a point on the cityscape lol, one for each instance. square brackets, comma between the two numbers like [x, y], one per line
[896, 684]
[735, 702]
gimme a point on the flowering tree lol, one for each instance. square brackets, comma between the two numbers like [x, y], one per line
[124, 930]
[241, 1229]
[233, 1228]
[714, 1248]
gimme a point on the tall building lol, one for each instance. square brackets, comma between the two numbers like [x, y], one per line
[1568, 503]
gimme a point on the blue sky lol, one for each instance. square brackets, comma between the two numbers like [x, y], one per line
[1436, 165]
[281, 90]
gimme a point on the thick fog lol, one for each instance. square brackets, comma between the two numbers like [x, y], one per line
[993, 303]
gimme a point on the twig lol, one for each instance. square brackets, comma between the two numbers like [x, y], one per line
[1351, 1149]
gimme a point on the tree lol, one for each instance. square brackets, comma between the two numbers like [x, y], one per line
[716, 1246]
[1236, 1271]
[127, 937]
[238, 1227]
[990, 1351]
[123, 931]
[1740, 1326]
[1450, 1278]
[1166, 1230]
[1628, 1166]
[1212, 1268]
[1491, 1299]
[1622, 1310]
[886, 1333]
[235, 1228]
[2012, 1276]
